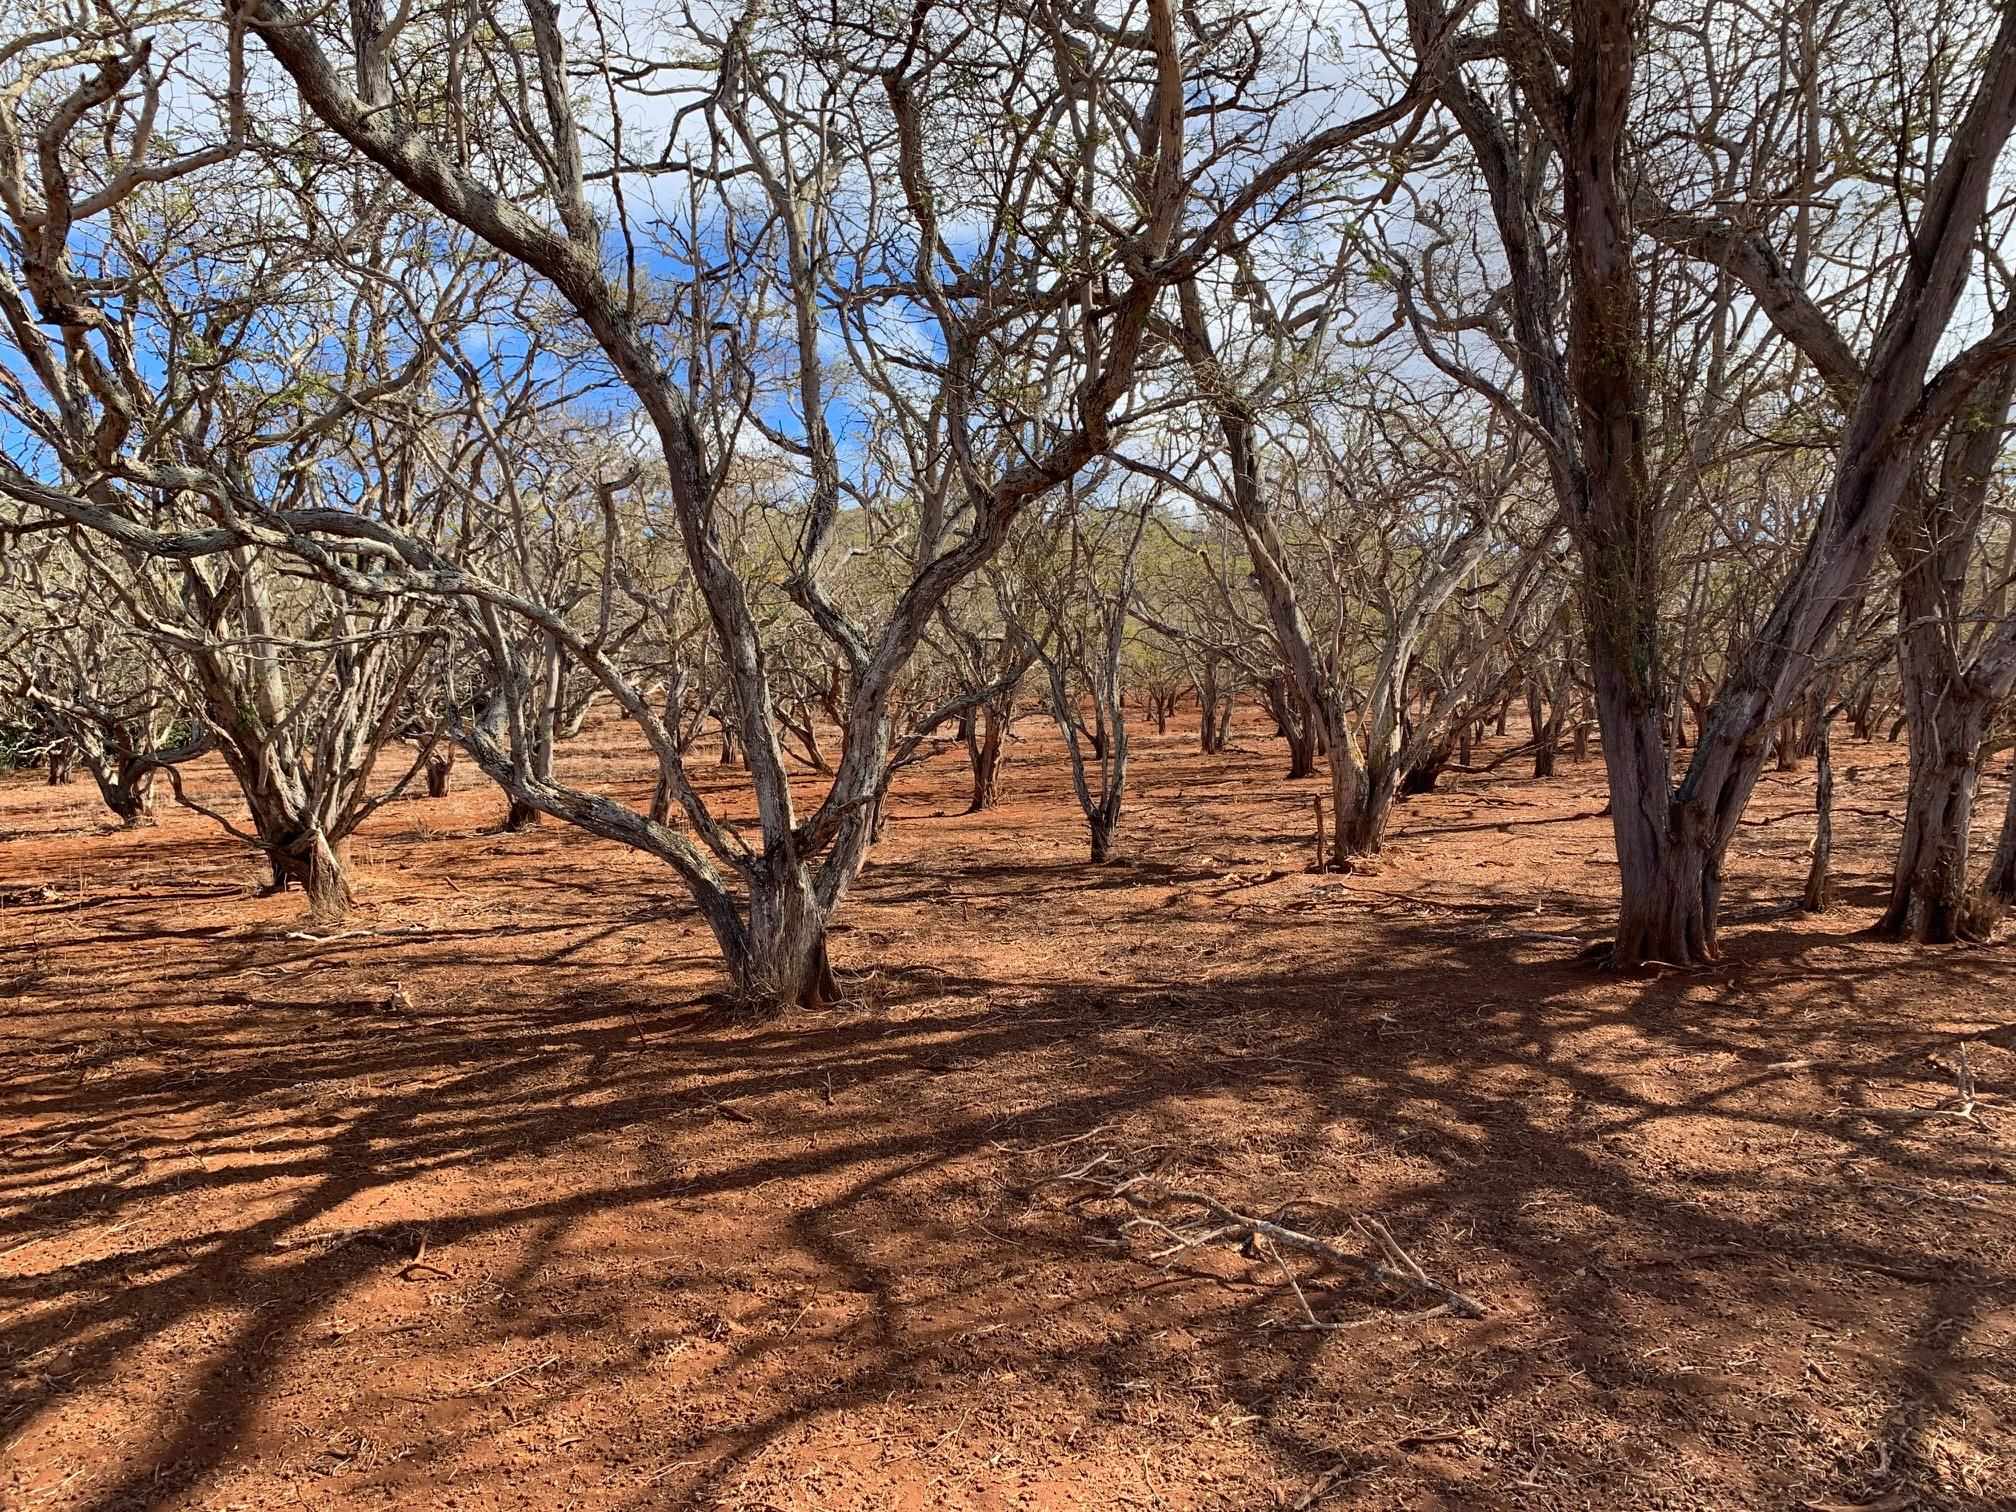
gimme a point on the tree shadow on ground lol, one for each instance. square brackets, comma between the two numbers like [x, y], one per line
[1580, 1155]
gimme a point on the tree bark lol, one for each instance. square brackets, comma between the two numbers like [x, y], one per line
[321, 869]
[1819, 884]
[1785, 745]
[440, 764]
[780, 960]
[1928, 890]
[983, 755]
[1103, 822]
[1668, 857]
[126, 786]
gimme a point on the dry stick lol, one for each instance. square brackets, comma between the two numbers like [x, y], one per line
[1963, 1106]
[1314, 1323]
[1401, 1271]
[1320, 863]
[552, 1359]
[1330, 1480]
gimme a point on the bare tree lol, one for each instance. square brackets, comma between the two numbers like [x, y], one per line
[1066, 143]
[1573, 88]
[1073, 605]
[1956, 653]
[81, 678]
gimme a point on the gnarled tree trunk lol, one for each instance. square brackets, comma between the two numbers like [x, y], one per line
[1997, 893]
[440, 765]
[127, 786]
[781, 957]
[984, 733]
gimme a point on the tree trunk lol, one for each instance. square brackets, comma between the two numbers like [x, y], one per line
[440, 763]
[1363, 831]
[521, 816]
[1545, 749]
[127, 788]
[1858, 714]
[1104, 824]
[664, 809]
[983, 754]
[326, 880]
[1928, 891]
[1207, 712]
[1786, 744]
[1819, 886]
[1274, 693]
[1425, 774]
[1668, 858]
[781, 961]
[1998, 889]
[62, 767]
[1301, 753]
[1286, 705]
[322, 869]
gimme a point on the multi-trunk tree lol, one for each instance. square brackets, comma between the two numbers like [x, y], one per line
[1557, 112]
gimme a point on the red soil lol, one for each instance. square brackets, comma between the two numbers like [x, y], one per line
[483, 1201]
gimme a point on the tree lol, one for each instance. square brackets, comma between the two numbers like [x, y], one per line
[1074, 607]
[83, 680]
[1574, 90]
[1061, 148]
[194, 344]
[1956, 655]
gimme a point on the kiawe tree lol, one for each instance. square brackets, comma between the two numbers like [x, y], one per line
[1956, 657]
[1553, 107]
[197, 344]
[1019, 189]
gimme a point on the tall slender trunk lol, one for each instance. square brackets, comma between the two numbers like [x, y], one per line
[1819, 884]
[1205, 685]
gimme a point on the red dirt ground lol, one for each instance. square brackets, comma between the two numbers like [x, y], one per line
[482, 1202]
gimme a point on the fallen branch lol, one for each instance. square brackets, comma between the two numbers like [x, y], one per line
[1964, 1105]
[1396, 1269]
[511, 1375]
